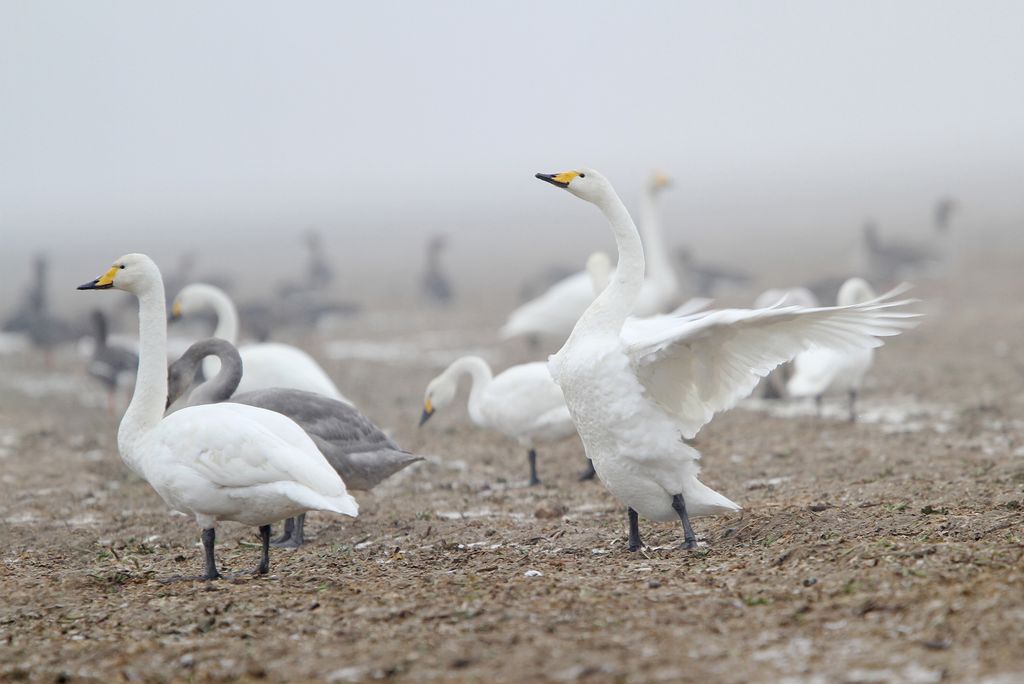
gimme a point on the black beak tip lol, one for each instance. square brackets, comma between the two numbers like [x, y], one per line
[550, 178]
[91, 285]
[425, 416]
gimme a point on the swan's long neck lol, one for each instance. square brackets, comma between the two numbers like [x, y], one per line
[481, 376]
[222, 385]
[659, 267]
[609, 311]
[147, 406]
[227, 316]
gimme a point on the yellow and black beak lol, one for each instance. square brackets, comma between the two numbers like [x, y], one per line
[562, 180]
[175, 311]
[104, 282]
[428, 410]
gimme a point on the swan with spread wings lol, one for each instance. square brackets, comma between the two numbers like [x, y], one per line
[635, 389]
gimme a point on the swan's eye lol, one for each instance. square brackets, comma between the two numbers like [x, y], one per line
[122, 267]
[582, 175]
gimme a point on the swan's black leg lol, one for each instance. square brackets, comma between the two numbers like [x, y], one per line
[264, 567]
[289, 527]
[853, 406]
[589, 473]
[294, 533]
[817, 404]
[534, 480]
[209, 536]
[689, 538]
[635, 544]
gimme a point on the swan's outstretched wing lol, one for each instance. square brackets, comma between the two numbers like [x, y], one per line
[699, 365]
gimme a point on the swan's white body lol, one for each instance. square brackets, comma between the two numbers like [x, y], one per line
[821, 370]
[521, 402]
[220, 461]
[555, 312]
[267, 365]
[236, 462]
[634, 391]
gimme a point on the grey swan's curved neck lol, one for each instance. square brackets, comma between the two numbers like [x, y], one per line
[216, 389]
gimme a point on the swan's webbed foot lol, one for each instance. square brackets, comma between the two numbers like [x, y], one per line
[534, 480]
[589, 473]
[689, 538]
[294, 534]
[635, 543]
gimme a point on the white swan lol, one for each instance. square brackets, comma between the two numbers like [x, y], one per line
[267, 365]
[555, 312]
[634, 391]
[522, 402]
[218, 461]
[822, 370]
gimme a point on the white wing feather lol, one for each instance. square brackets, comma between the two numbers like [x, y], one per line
[696, 366]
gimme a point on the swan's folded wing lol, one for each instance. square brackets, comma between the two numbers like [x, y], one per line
[697, 366]
[328, 419]
[244, 446]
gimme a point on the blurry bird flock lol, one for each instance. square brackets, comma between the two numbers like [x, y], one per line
[256, 432]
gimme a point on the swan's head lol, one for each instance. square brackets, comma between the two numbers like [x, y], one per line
[191, 300]
[440, 393]
[133, 273]
[855, 291]
[660, 181]
[587, 184]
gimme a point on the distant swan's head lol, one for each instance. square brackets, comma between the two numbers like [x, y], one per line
[660, 181]
[440, 393]
[587, 184]
[133, 273]
[855, 291]
[193, 299]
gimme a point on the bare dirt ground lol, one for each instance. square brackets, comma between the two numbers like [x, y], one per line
[885, 551]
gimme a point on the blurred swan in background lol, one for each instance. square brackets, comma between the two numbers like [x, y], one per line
[43, 329]
[555, 312]
[219, 461]
[111, 364]
[705, 280]
[436, 286]
[521, 402]
[635, 391]
[888, 261]
[824, 370]
[357, 449]
[266, 365]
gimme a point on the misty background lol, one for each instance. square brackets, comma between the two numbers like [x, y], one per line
[233, 127]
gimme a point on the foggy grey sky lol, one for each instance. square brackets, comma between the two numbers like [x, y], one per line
[130, 124]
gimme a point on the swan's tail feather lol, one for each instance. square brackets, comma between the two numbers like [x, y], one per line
[339, 503]
[702, 500]
[365, 470]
